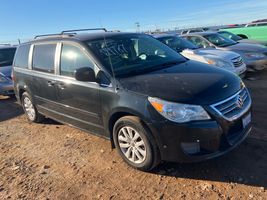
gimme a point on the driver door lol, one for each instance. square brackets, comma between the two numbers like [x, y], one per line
[80, 102]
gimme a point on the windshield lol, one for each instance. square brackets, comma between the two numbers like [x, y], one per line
[132, 54]
[178, 44]
[6, 56]
[230, 35]
[219, 40]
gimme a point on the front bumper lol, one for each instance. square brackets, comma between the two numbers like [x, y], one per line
[257, 65]
[6, 89]
[214, 138]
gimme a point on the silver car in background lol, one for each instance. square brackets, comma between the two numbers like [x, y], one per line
[6, 86]
[227, 60]
[254, 55]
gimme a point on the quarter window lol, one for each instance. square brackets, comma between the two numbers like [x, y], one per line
[44, 57]
[22, 56]
[73, 58]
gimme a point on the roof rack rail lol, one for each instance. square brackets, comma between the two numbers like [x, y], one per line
[89, 29]
[47, 35]
[69, 32]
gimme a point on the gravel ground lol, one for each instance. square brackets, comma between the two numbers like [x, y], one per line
[55, 161]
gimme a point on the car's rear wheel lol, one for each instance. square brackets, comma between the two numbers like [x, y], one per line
[30, 110]
[135, 144]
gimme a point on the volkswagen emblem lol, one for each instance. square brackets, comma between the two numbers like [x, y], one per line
[239, 102]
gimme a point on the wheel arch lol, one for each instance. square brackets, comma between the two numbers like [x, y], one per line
[115, 116]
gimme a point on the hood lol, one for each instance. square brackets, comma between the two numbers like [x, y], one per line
[6, 70]
[191, 82]
[245, 47]
[225, 55]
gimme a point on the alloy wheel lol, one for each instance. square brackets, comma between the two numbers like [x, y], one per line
[29, 109]
[132, 145]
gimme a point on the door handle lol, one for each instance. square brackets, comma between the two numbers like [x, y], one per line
[51, 83]
[61, 86]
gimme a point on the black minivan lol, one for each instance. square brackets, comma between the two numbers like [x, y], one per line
[149, 101]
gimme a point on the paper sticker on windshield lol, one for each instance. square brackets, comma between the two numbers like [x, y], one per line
[114, 49]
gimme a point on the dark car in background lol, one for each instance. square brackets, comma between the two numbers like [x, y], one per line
[151, 102]
[255, 56]
[7, 53]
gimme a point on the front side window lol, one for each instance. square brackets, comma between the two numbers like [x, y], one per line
[230, 35]
[198, 41]
[131, 54]
[44, 57]
[177, 44]
[6, 56]
[219, 40]
[73, 58]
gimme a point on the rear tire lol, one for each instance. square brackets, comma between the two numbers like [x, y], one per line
[135, 144]
[30, 109]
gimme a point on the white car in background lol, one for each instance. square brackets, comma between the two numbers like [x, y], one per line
[227, 60]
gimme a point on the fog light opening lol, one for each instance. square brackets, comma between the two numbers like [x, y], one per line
[191, 147]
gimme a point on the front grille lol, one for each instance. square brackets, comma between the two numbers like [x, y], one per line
[235, 106]
[238, 61]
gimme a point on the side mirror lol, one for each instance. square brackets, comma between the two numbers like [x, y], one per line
[85, 74]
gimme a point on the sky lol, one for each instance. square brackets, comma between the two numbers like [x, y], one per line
[25, 18]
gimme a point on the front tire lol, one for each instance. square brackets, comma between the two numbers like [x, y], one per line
[29, 108]
[135, 143]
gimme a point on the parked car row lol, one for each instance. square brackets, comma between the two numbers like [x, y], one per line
[151, 102]
[224, 59]
[255, 56]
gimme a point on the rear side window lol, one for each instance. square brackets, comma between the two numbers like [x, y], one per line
[73, 58]
[44, 57]
[22, 56]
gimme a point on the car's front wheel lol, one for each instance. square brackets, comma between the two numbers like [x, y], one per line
[30, 110]
[135, 143]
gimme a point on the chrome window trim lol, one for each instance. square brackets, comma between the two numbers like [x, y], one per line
[213, 106]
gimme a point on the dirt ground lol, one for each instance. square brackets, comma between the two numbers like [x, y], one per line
[55, 161]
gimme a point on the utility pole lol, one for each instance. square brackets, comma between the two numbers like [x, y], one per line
[137, 24]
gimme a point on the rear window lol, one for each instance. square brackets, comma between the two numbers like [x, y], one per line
[7, 56]
[22, 56]
[44, 57]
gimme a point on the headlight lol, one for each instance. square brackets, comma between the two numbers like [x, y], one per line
[219, 63]
[254, 55]
[178, 112]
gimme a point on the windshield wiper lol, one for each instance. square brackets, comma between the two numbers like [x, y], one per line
[150, 69]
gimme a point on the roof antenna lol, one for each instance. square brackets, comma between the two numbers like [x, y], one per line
[109, 59]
